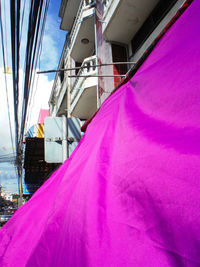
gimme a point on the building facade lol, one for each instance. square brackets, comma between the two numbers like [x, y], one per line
[100, 36]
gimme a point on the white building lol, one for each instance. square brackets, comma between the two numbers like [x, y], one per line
[103, 32]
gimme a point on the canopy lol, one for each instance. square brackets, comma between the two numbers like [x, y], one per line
[129, 194]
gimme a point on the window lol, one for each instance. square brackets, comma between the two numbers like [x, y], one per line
[151, 23]
[61, 74]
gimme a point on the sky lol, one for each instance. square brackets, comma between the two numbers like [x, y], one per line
[52, 46]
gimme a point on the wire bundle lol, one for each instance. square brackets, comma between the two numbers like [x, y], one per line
[37, 13]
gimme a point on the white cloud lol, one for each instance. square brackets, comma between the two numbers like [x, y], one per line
[39, 100]
[7, 171]
[50, 54]
[53, 43]
[4, 119]
[40, 97]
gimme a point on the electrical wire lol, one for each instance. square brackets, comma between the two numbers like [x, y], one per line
[6, 84]
[38, 60]
[8, 158]
[22, 20]
[5, 30]
[36, 23]
[5, 23]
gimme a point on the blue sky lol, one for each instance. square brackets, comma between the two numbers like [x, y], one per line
[54, 38]
[52, 46]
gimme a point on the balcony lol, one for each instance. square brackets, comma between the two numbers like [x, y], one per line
[59, 100]
[123, 18]
[84, 91]
[82, 42]
[67, 12]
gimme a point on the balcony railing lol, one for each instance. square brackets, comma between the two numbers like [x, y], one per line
[62, 8]
[85, 4]
[106, 4]
[62, 91]
[90, 69]
[59, 93]
[57, 82]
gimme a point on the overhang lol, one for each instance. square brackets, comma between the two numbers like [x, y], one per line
[85, 105]
[84, 31]
[68, 11]
[122, 19]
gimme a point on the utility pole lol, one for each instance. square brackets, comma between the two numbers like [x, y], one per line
[20, 186]
[96, 52]
[65, 145]
[64, 138]
[19, 169]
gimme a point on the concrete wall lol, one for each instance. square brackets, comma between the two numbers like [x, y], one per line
[104, 54]
[155, 33]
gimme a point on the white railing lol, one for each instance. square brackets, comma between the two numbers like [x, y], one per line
[90, 69]
[58, 95]
[85, 4]
[77, 20]
[62, 8]
[88, 2]
[106, 2]
[62, 87]
[57, 83]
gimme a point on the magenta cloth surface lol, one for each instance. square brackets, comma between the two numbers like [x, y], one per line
[130, 193]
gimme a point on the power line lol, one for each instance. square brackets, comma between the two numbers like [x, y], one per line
[15, 6]
[36, 23]
[5, 30]
[14, 17]
[87, 67]
[5, 23]
[32, 52]
[37, 58]
[6, 85]
[22, 20]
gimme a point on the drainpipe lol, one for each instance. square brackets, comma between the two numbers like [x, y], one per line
[64, 138]
[20, 200]
[96, 52]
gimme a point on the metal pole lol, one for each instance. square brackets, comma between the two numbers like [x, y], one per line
[66, 114]
[87, 76]
[20, 186]
[19, 168]
[67, 137]
[96, 52]
[85, 67]
[64, 137]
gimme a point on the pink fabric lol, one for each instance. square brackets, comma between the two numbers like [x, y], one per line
[129, 194]
[43, 114]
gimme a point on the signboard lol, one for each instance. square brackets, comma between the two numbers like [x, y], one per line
[30, 188]
[53, 139]
[74, 134]
[53, 135]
